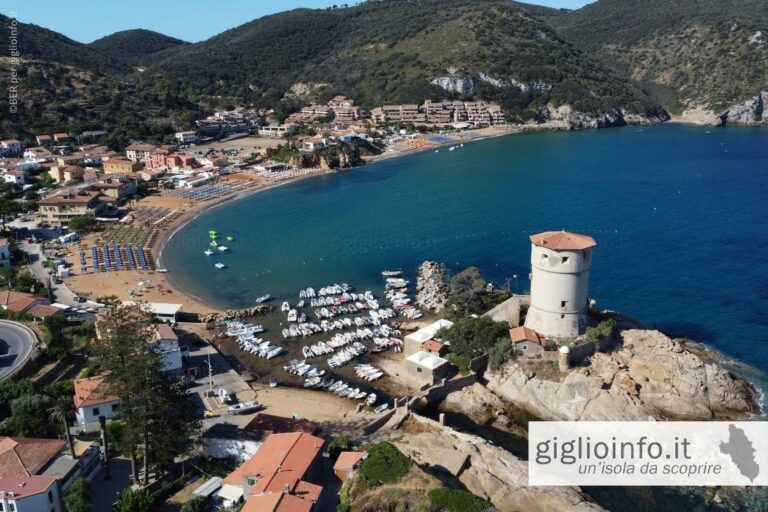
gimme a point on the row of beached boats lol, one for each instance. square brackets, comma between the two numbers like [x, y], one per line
[303, 369]
[240, 328]
[347, 354]
[368, 372]
[372, 322]
[341, 388]
[259, 347]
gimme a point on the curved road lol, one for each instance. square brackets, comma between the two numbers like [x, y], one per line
[16, 343]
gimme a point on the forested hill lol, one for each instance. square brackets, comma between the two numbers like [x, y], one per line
[135, 47]
[37, 43]
[707, 53]
[392, 51]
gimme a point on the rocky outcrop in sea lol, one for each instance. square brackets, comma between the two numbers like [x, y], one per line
[431, 288]
[750, 112]
[229, 314]
[648, 375]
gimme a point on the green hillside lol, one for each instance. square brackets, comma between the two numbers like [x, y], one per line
[135, 47]
[708, 53]
[383, 52]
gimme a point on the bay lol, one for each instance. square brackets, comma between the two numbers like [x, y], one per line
[678, 213]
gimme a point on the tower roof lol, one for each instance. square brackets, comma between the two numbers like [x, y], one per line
[563, 241]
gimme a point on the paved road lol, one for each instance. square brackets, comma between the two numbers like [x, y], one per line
[16, 343]
[61, 292]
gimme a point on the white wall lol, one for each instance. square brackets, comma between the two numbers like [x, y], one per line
[36, 502]
[88, 414]
[559, 288]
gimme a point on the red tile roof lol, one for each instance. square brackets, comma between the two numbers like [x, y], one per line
[22, 457]
[91, 391]
[563, 241]
[432, 345]
[18, 302]
[282, 460]
[25, 487]
[43, 311]
[348, 460]
[71, 199]
[277, 502]
[522, 333]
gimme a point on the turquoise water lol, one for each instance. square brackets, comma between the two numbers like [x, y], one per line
[678, 212]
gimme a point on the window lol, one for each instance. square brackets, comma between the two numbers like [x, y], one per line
[563, 303]
[114, 407]
[95, 411]
[50, 496]
[565, 259]
[525, 347]
[562, 316]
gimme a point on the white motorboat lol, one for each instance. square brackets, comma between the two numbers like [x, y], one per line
[381, 408]
[263, 299]
[222, 248]
[208, 252]
[244, 407]
[292, 315]
[162, 270]
[371, 399]
[224, 396]
[272, 382]
[219, 265]
[285, 307]
[392, 273]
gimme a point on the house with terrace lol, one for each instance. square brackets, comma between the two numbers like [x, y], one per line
[93, 399]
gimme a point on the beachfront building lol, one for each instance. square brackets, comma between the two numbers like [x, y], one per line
[115, 188]
[444, 112]
[30, 494]
[167, 347]
[59, 210]
[93, 399]
[186, 137]
[527, 343]
[560, 263]
[313, 144]
[162, 311]
[276, 130]
[120, 166]
[423, 363]
[278, 477]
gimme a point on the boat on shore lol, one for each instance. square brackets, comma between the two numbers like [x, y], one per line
[285, 307]
[272, 382]
[244, 407]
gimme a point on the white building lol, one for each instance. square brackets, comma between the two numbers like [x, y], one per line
[5, 252]
[11, 147]
[186, 137]
[30, 494]
[560, 263]
[165, 312]
[167, 347]
[92, 400]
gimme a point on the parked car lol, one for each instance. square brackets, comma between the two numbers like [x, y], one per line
[78, 299]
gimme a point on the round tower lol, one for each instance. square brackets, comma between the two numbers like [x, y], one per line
[560, 263]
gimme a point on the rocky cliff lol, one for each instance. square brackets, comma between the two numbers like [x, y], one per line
[431, 288]
[492, 473]
[751, 112]
[565, 117]
[648, 375]
[341, 156]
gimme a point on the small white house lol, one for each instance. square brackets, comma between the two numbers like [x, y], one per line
[11, 147]
[14, 177]
[92, 400]
[314, 143]
[36, 493]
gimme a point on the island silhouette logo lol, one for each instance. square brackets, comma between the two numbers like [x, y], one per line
[740, 448]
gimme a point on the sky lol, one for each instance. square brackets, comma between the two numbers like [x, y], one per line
[190, 20]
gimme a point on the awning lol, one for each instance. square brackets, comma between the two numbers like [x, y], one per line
[231, 492]
[208, 488]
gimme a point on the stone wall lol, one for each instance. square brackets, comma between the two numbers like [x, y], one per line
[509, 310]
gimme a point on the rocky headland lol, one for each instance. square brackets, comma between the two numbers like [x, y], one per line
[750, 112]
[647, 375]
[431, 288]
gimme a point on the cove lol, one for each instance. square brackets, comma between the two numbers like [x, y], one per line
[678, 213]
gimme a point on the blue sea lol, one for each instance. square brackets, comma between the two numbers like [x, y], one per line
[678, 213]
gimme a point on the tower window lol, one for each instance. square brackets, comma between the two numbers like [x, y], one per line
[563, 303]
[565, 259]
[562, 316]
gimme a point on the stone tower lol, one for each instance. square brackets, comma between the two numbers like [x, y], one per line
[560, 263]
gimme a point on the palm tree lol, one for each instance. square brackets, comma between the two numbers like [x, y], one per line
[62, 412]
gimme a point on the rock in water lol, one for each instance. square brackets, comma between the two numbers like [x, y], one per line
[649, 375]
[431, 289]
[752, 111]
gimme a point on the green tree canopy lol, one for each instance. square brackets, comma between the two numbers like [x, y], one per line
[385, 464]
[134, 500]
[78, 497]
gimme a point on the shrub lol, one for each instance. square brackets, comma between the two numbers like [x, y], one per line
[499, 354]
[601, 331]
[385, 464]
[338, 445]
[78, 497]
[196, 504]
[134, 500]
[456, 500]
